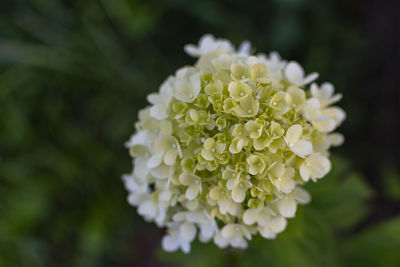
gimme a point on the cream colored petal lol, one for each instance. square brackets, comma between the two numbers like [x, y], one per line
[294, 73]
[207, 230]
[336, 139]
[239, 90]
[187, 231]
[293, 134]
[238, 193]
[161, 172]
[159, 112]
[319, 166]
[266, 232]
[224, 204]
[207, 154]
[155, 160]
[192, 191]
[278, 225]
[336, 113]
[324, 124]
[250, 216]
[228, 230]
[188, 178]
[277, 169]
[236, 146]
[170, 157]
[310, 78]
[305, 172]
[287, 207]
[264, 217]
[302, 196]
[148, 209]
[170, 243]
[302, 148]
[220, 241]
[286, 185]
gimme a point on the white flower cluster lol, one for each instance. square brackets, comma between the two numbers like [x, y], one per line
[225, 145]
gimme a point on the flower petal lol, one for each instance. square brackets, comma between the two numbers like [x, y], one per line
[187, 231]
[250, 216]
[301, 195]
[170, 243]
[155, 160]
[287, 207]
[302, 148]
[293, 134]
[192, 191]
[238, 194]
[294, 73]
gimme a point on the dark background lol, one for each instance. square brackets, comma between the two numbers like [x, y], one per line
[73, 75]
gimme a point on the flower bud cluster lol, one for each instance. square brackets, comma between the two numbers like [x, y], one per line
[223, 149]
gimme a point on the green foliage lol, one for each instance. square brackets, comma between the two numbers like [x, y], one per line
[73, 75]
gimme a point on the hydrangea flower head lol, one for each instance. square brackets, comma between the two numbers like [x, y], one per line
[224, 148]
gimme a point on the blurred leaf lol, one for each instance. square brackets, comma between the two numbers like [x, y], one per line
[376, 246]
[341, 197]
[392, 183]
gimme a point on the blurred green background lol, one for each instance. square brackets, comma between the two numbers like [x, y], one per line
[73, 75]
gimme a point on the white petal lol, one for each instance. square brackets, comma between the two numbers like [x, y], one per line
[287, 207]
[304, 172]
[250, 216]
[336, 139]
[196, 84]
[336, 113]
[192, 50]
[324, 123]
[314, 90]
[228, 230]
[244, 48]
[187, 231]
[192, 191]
[238, 194]
[319, 166]
[302, 148]
[310, 78]
[301, 195]
[293, 134]
[264, 217]
[158, 112]
[286, 185]
[278, 225]
[220, 241]
[161, 172]
[147, 209]
[170, 243]
[207, 230]
[224, 205]
[294, 73]
[185, 247]
[154, 99]
[266, 232]
[170, 157]
[154, 161]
